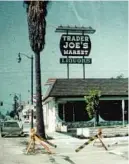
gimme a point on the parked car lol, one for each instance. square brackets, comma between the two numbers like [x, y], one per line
[11, 127]
[1, 122]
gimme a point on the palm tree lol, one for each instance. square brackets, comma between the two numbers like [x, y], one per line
[36, 13]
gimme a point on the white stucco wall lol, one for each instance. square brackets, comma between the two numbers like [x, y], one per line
[27, 111]
[49, 116]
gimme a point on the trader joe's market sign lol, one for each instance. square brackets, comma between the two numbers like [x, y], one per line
[75, 45]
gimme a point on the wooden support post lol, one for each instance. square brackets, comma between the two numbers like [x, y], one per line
[63, 112]
[51, 144]
[73, 113]
[44, 145]
[86, 143]
[98, 136]
[28, 147]
[34, 137]
[123, 112]
[102, 143]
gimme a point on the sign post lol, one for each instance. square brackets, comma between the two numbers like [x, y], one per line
[83, 69]
[68, 67]
[84, 63]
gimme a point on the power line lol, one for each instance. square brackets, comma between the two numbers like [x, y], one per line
[43, 71]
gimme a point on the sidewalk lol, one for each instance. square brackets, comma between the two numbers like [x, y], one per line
[115, 145]
[65, 152]
[60, 136]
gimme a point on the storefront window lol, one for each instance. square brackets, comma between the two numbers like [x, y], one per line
[111, 110]
[73, 111]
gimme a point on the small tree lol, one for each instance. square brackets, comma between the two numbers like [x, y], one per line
[7, 113]
[121, 76]
[1, 116]
[92, 102]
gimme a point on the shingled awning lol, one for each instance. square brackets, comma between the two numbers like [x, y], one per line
[81, 87]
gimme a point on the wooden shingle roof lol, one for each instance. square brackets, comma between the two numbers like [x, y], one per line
[81, 87]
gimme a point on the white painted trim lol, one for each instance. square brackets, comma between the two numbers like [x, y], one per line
[61, 100]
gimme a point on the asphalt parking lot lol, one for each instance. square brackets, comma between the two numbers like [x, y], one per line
[15, 148]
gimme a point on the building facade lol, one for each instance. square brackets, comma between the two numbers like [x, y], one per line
[25, 114]
[64, 103]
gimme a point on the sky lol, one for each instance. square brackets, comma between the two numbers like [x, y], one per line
[109, 51]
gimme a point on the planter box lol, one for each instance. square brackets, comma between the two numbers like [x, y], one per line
[83, 132]
[63, 128]
[106, 132]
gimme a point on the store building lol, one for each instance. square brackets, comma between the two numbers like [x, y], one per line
[64, 102]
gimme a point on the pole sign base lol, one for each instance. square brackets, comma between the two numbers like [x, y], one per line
[75, 60]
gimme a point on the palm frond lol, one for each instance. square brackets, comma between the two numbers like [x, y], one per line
[36, 13]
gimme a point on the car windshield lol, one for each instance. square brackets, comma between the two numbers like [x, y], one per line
[11, 124]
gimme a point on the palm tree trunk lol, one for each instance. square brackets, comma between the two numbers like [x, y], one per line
[39, 109]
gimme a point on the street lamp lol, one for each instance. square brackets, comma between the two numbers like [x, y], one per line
[31, 58]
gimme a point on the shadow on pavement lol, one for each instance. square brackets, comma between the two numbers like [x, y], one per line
[14, 136]
[66, 158]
